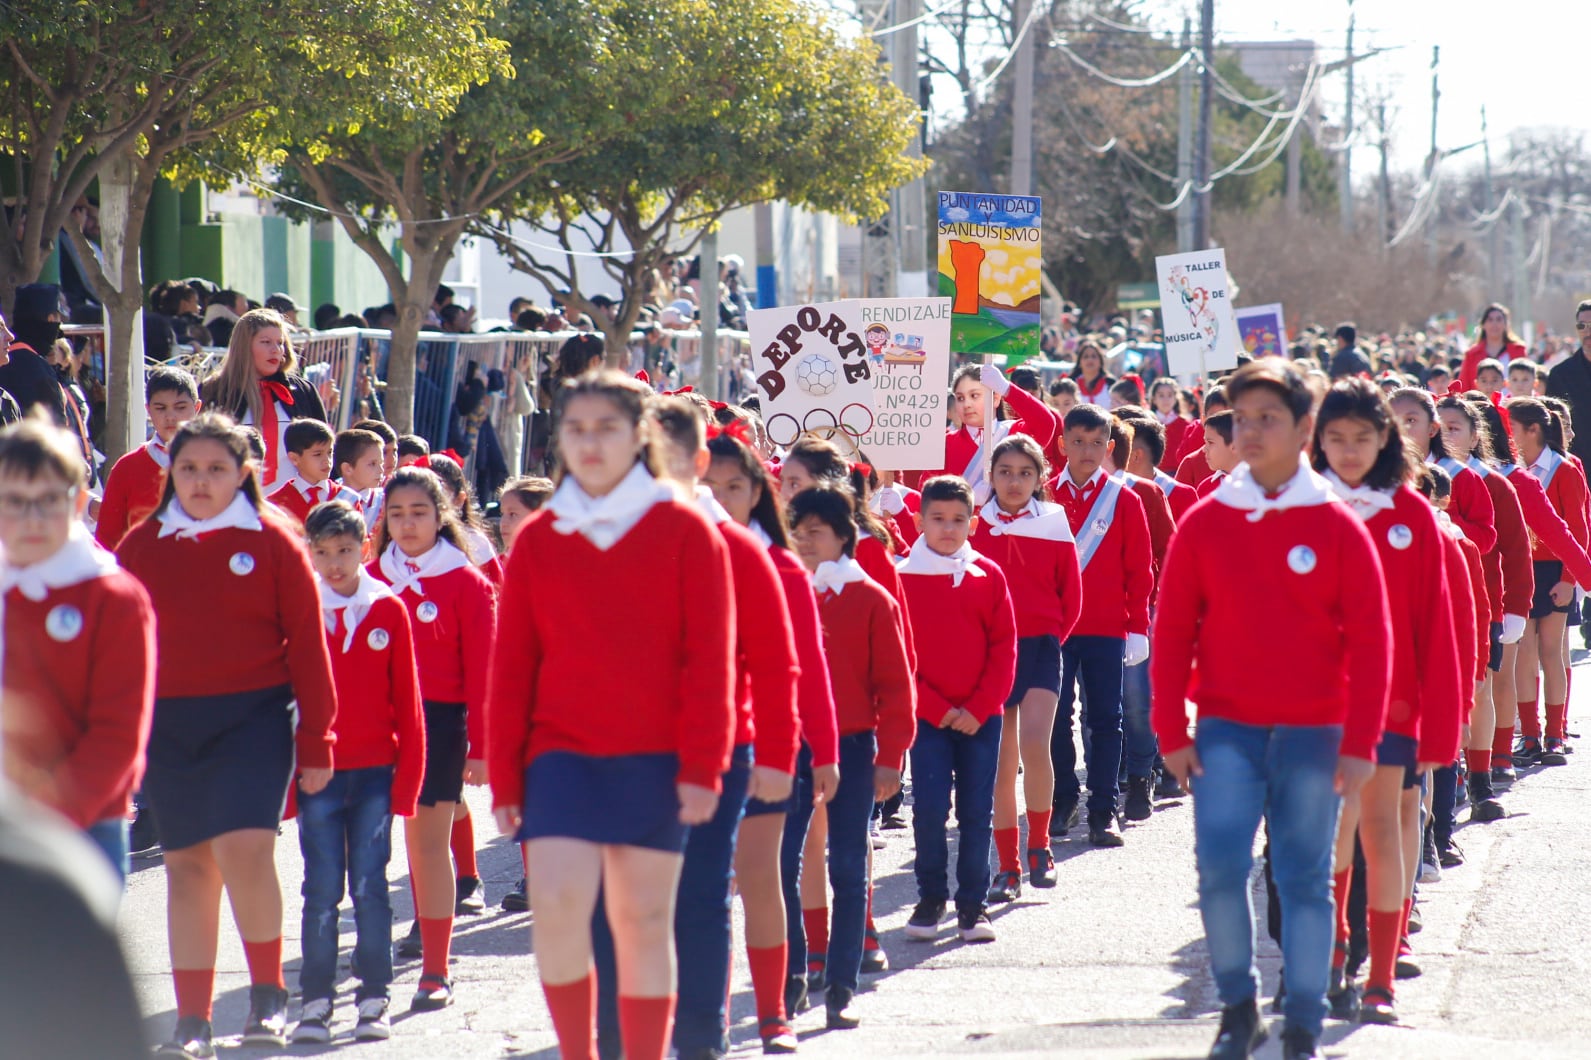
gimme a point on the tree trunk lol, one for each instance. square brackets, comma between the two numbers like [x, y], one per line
[412, 302]
[121, 221]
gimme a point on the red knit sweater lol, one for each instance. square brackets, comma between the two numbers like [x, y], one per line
[1566, 495]
[765, 663]
[568, 676]
[1194, 468]
[1471, 507]
[221, 632]
[1042, 576]
[379, 719]
[1119, 580]
[1033, 418]
[868, 670]
[968, 653]
[79, 694]
[1180, 497]
[1461, 597]
[1481, 608]
[814, 695]
[874, 560]
[294, 503]
[1510, 579]
[132, 491]
[1324, 656]
[451, 651]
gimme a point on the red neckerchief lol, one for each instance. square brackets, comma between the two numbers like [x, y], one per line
[270, 393]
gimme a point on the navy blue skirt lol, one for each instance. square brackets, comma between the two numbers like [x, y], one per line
[622, 800]
[1396, 749]
[1038, 665]
[1549, 572]
[219, 764]
[446, 747]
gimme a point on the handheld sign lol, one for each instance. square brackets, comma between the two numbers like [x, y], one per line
[812, 370]
[990, 266]
[908, 344]
[1263, 330]
[1196, 313]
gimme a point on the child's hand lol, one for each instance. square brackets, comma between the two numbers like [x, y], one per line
[949, 720]
[1562, 594]
[1353, 774]
[965, 723]
[508, 819]
[475, 771]
[825, 782]
[886, 782]
[1184, 764]
[696, 803]
[769, 784]
[313, 781]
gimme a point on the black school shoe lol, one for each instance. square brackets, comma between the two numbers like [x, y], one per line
[1555, 753]
[1064, 817]
[1241, 1032]
[1007, 887]
[193, 1038]
[516, 900]
[795, 994]
[1167, 787]
[267, 1022]
[838, 1014]
[470, 896]
[1140, 799]
[1527, 752]
[1041, 867]
[1299, 1044]
[1099, 830]
[409, 947]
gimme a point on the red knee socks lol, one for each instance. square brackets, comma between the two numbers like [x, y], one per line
[1503, 742]
[816, 922]
[645, 1025]
[1386, 931]
[1557, 719]
[1008, 844]
[573, 1007]
[870, 930]
[195, 989]
[1529, 719]
[767, 979]
[265, 962]
[1339, 889]
[1478, 761]
[1039, 829]
[436, 939]
[462, 841]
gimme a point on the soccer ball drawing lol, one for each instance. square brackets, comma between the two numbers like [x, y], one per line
[817, 375]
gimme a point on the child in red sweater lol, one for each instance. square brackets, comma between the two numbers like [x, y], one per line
[309, 449]
[1192, 467]
[79, 666]
[605, 751]
[874, 705]
[1359, 449]
[965, 671]
[132, 491]
[356, 461]
[345, 830]
[1114, 554]
[1031, 541]
[1219, 455]
[420, 554]
[223, 567]
[1287, 723]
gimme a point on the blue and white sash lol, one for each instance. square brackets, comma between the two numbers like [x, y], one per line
[1549, 463]
[1451, 466]
[974, 472]
[1100, 516]
[1167, 484]
[1477, 465]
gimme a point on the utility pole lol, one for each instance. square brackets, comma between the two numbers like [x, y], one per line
[910, 228]
[1521, 283]
[1022, 104]
[1345, 157]
[1201, 160]
[1490, 201]
[1384, 185]
[880, 243]
[1433, 159]
[1295, 160]
[708, 256]
[1185, 209]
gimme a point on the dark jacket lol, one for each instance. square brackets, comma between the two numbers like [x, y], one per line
[306, 399]
[1571, 380]
[30, 379]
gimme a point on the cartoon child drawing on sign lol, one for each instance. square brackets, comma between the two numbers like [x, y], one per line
[1196, 301]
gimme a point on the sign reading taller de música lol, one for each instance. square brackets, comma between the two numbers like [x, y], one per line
[1196, 316]
[991, 268]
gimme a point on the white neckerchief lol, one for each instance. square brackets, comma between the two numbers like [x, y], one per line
[158, 452]
[1039, 519]
[1366, 502]
[239, 515]
[354, 608]
[833, 575]
[1239, 490]
[1446, 522]
[924, 560]
[604, 520]
[1166, 418]
[481, 550]
[409, 572]
[712, 509]
[79, 560]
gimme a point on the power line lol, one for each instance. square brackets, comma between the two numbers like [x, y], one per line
[1010, 53]
[1145, 82]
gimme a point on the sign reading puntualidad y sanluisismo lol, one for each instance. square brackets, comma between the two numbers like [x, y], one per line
[908, 345]
[1196, 312]
[813, 372]
[991, 266]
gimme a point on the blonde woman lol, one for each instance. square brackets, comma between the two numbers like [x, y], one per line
[258, 384]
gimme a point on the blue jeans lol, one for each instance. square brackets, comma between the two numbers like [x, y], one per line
[1093, 665]
[944, 760]
[1137, 736]
[110, 835]
[345, 834]
[1284, 774]
[701, 927]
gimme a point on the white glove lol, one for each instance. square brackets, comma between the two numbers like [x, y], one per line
[1513, 629]
[890, 502]
[994, 379]
[1137, 649]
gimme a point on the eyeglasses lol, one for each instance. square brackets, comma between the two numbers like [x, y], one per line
[1581, 325]
[45, 506]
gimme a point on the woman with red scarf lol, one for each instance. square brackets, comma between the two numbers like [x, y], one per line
[1496, 341]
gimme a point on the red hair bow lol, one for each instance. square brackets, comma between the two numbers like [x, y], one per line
[1502, 411]
[425, 461]
[865, 470]
[716, 405]
[739, 430]
[643, 377]
[681, 390]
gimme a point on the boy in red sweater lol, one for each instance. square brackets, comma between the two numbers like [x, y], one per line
[1289, 719]
[1218, 451]
[132, 490]
[356, 458]
[1112, 633]
[966, 663]
[309, 448]
[345, 829]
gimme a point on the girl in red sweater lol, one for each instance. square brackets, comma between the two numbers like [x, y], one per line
[1360, 452]
[965, 446]
[216, 560]
[1031, 541]
[79, 657]
[1165, 403]
[1538, 434]
[772, 901]
[421, 555]
[641, 728]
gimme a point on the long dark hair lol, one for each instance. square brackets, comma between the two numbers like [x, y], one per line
[425, 480]
[452, 476]
[1360, 399]
[1423, 398]
[823, 461]
[214, 427]
[766, 513]
[1477, 423]
[1529, 412]
[1502, 442]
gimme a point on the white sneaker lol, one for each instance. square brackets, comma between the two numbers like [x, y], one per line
[373, 1026]
[975, 927]
[314, 1024]
[1430, 872]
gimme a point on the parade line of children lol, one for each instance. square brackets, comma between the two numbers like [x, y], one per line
[814, 631]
